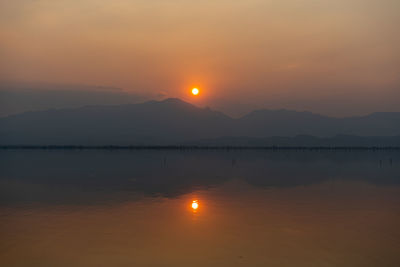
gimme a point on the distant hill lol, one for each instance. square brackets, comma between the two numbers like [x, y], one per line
[264, 123]
[174, 121]
[301, 141]
[18, 98]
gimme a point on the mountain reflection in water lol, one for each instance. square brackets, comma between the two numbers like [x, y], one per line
[254, 208]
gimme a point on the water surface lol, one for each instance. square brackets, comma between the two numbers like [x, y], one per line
[256, 208]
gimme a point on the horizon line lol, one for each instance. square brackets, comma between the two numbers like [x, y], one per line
[189, 147]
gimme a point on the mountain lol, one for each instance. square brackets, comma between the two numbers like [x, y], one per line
[156, 123]
[263, 123]
[18, 98]
[302, 141]
[174, 121]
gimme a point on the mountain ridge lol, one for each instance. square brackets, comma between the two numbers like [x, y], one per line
[180, 101]
[173, 121]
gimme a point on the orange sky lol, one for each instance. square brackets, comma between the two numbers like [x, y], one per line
[301, 54]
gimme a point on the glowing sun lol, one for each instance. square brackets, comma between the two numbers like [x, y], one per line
[195, 91]
[195, 205]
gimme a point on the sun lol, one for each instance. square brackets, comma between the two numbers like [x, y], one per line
[195, 205]
[195, 91]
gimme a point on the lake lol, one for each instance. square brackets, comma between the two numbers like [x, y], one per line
[254, 208]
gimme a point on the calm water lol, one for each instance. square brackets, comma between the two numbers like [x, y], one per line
[256, 208]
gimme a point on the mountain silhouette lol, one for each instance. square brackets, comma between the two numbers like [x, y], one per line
[301, 141]
[173, 121]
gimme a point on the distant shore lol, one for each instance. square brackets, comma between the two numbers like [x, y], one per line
[184, 147]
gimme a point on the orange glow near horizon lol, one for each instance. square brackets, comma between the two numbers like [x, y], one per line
[234, 68]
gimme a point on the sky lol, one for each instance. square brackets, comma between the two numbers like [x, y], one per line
[335, 57]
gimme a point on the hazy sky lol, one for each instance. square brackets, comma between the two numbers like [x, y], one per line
[330, 56]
